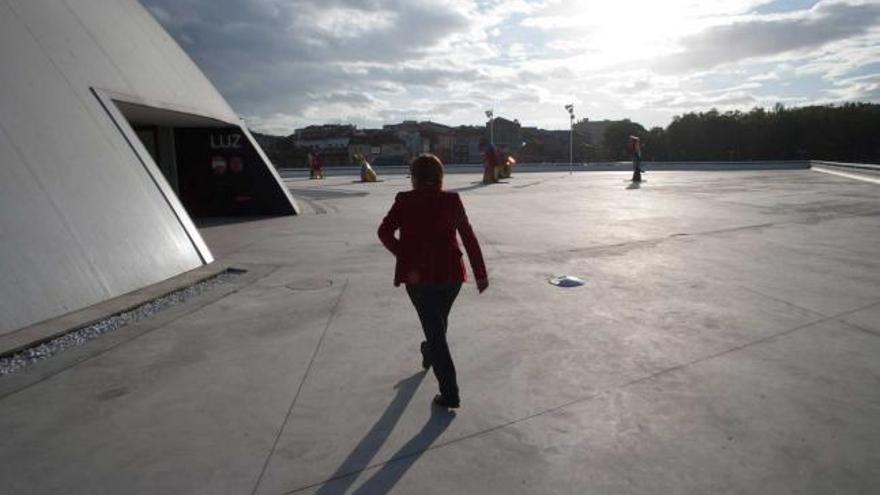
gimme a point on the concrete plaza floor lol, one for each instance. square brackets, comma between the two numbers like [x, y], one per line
[727, 341]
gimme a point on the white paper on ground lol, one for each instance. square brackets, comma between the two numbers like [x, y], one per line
[566, 281]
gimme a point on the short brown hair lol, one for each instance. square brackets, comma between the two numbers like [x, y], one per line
[427, 169]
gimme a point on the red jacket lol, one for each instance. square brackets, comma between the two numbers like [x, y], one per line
[427, 251]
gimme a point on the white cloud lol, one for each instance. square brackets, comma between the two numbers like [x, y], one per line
[857, 88]
[340, 23]
[770, 76]
[288, 63]
[758, 37]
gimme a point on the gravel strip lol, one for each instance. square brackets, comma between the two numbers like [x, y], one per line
[26, 357]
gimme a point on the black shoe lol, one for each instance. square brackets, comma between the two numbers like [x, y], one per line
[426, 363]
[441, 401]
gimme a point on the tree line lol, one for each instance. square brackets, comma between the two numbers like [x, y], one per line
[849, 132]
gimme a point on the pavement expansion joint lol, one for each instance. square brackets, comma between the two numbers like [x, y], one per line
[783, 301]
[856, 310]
[299, 388]
[580, 400]
[857, 328]
[622, 247]
[853, 326]
[309, 284]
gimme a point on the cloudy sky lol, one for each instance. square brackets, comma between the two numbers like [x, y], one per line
[283, 64]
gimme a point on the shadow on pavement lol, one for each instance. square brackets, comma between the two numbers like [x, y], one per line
[476, 185]
[320, 192]
[383, 480]
[634, 185]
[205, 222]
[369, 446]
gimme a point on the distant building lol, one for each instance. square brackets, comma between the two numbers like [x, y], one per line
[467, 143]
[330, 141]
[507, 133]
[408, 132]
[324, 137]
[439, 139]
[282, 150]
[425, 137]
[544, 146]
[593, 131]
[379, 147]
[399, 143]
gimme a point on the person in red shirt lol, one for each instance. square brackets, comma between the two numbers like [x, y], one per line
[315, 165]
[634, 146]
[429, 262]
[490, 164]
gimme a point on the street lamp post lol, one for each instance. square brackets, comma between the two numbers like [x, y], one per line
[570, 108]
[490, 114]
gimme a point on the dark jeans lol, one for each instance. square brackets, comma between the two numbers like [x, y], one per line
[637, 169]
[433, 303]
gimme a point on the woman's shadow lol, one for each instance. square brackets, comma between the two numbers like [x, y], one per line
[392, 470]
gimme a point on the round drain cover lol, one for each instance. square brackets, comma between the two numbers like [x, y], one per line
[310, 284]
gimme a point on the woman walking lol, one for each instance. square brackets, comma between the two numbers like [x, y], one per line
[634, 146]
[429, 262]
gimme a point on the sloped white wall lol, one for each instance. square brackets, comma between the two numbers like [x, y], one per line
[81, 220]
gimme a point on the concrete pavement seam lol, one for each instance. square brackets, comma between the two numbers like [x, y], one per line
[838, 317]
[853, 326]
[654, 241]
[856, 310]
[783, 301]
[580, 400]
[300, 387]
[651, 242]
[858, 328]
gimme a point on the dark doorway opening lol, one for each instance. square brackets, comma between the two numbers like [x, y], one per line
[214, 168]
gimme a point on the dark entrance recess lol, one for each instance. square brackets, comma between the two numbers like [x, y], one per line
[213, 166]
[221, 174]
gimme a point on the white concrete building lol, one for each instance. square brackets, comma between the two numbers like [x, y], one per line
[111, 139]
